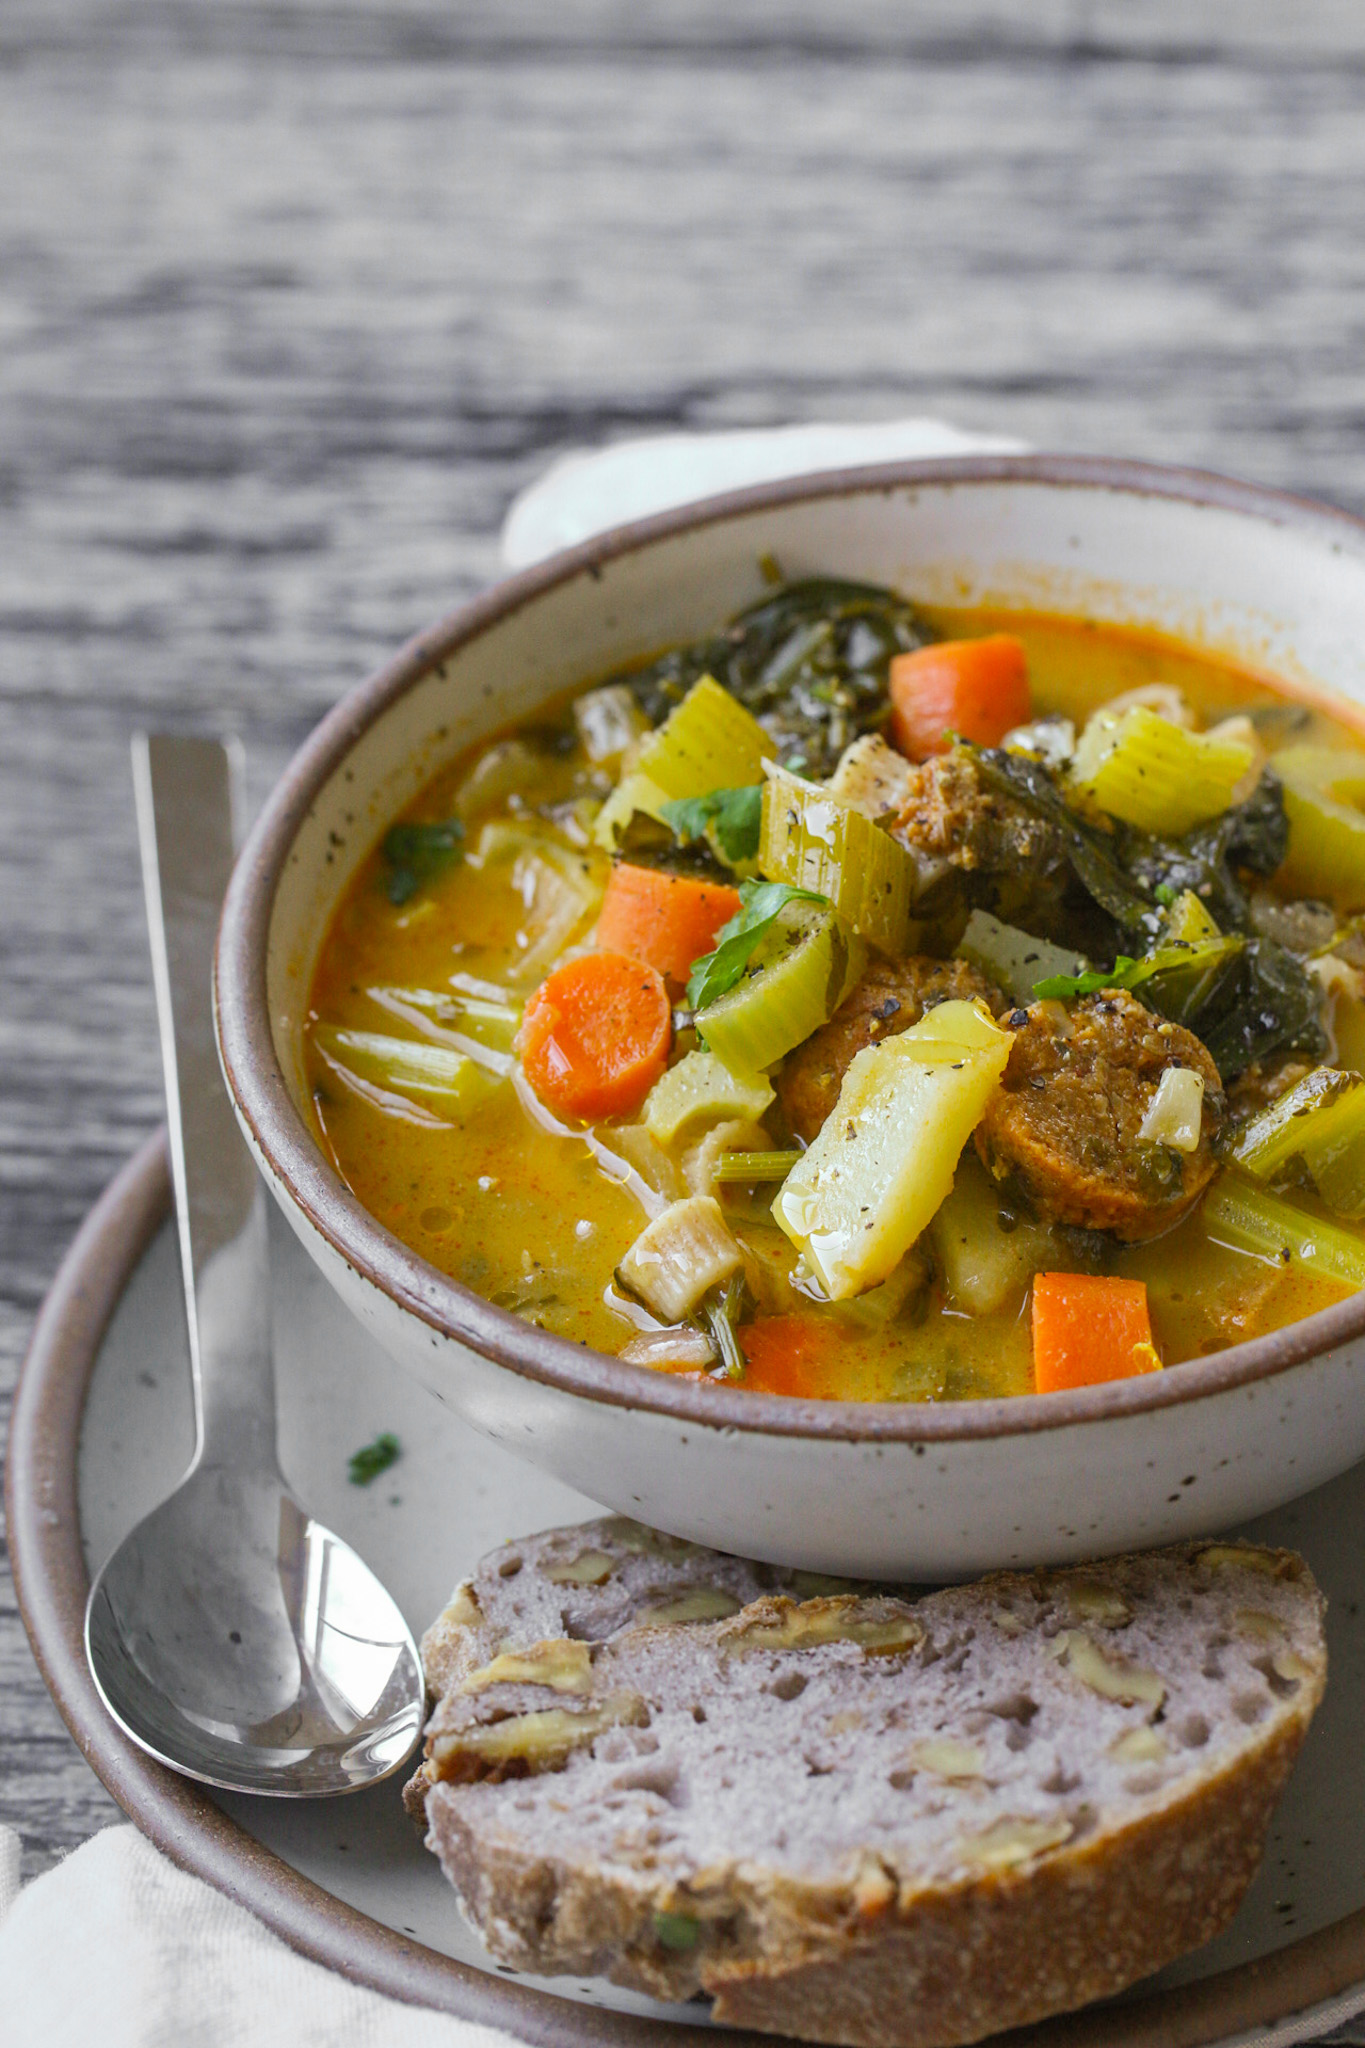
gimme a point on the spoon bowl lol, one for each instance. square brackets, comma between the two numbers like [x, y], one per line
[246, 1645]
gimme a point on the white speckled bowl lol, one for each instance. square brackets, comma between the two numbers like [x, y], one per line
[912, 1492]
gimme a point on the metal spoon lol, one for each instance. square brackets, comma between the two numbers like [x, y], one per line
[231, 1635]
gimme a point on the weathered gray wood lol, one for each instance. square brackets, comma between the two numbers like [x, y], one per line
[293, 298]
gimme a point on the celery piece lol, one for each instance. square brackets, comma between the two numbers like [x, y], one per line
[1324, 801]
[702, 1088]
[1188, 922]
[795, 980]
[1320, 1120]
[1012, 959]
[607, 721]
[1275, 1135]
[872, 777]
[1152, 773]
[709, 742]
[633, 793]
[1239, 1213]
[748, 1167]
[881, 1305]
[887, 1153]
[434, 1075]
[814, 841]
[680, 1257]
[484, 1029]
[1340, 1173]
[561, 888]
[503, 770]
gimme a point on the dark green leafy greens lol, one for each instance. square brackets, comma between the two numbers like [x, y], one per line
[1094, 854]
[810, 662]
[735, 814]
[1253, 835]
[1266, 1004]
[716, 973]
[366, 1464]
[1245, 996]
[415, 853]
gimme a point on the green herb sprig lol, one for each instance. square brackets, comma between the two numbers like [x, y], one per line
[716, 973]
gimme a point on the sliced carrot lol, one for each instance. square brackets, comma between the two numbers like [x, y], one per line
[595, 1035]
[795, 1354]
[977, 689]
[668, 920]
[1088, 1328]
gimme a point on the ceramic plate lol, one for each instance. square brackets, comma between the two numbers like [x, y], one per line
[103, 1429]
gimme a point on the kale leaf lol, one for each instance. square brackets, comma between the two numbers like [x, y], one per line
[1252, 835]
[415, 853]
[1245, 996]
[1094, 854]
[1267, 1004]
[810, 661]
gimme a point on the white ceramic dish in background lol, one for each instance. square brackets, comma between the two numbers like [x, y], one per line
[907, 1491]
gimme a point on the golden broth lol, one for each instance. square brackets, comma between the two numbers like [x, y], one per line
[524, 1214]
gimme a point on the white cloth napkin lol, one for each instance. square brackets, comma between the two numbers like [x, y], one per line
[586, 492]
[117, 1948]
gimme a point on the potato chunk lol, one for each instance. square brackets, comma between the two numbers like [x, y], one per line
[884, 1160]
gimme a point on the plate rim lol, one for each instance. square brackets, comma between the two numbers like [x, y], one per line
[177, 1815]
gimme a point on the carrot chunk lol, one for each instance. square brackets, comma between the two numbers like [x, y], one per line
[977, 689]
[595, 1035]
[793, 1354]
[668, 920]
[1087, 1328]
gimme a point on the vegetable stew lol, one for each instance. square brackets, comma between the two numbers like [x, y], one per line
[873, 1002]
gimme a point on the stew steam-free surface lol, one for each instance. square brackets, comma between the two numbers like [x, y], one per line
[1037, 978]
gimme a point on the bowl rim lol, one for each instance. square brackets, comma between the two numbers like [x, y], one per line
[450, 1310]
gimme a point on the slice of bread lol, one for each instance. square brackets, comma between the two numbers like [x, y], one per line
[868, 1818]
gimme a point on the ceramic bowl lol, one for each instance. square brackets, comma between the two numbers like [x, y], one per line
[912, 1491]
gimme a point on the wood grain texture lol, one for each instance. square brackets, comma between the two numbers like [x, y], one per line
[293, 297]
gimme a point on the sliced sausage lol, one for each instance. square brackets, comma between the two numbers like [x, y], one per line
[891, 996]
[1064, 1125]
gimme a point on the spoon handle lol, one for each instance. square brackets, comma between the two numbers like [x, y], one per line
[185, 791]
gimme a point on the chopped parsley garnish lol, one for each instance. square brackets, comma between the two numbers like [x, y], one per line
[716, 973]
[736, 815]
[414, 853]
[367, 1463]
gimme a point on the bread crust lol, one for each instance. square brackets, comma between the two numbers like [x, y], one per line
[1001, 1954]
[884, 1949]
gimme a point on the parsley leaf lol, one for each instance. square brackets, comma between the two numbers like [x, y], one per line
[367, 1464]
[415, 852]
[1179, 979]
[735, 813]
[1063, 988]
[716, 973]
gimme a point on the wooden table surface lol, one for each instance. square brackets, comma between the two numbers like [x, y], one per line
[294, 296]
